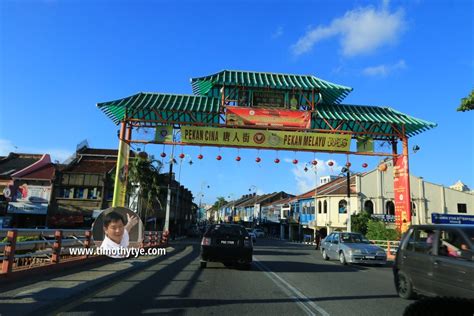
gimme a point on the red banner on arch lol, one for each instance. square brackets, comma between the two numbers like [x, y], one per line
[245, 116]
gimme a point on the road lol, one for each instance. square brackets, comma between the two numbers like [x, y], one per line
[285, 278]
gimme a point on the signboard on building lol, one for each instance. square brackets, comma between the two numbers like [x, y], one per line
[401, 190]
[452, 219]
[243, 116]
[384, 218]
[237, 137]
[269, 98]
[30, 199]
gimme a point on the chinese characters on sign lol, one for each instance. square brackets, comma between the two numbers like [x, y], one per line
[264, 139]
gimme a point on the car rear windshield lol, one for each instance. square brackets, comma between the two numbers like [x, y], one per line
[354, 239]
[224, 230]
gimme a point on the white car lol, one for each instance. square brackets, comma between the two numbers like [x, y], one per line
[259, 232]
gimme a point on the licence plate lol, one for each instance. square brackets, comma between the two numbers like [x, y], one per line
[227, 242]
[369, 257]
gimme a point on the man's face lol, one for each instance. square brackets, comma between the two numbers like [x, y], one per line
[115, 231]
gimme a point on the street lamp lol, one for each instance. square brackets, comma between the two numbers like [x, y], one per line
[348, 207]
[232, 210]
[255, 205]
[204, 185]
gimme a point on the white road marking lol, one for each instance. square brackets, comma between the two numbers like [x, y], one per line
[304, 302]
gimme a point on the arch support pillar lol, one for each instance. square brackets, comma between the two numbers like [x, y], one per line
[121, 170]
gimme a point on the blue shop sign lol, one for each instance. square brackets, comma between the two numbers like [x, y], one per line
[452, 219]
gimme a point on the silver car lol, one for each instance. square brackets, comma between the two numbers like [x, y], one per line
[352, 248]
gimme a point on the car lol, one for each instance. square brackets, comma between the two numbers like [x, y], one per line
[259, 232]
[435, 260]
[252, 235]
[352, 248]
[229, 244]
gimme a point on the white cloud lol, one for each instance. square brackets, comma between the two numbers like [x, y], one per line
[307, 180]
[384, 70]
[278, 32]
[360, 31]
[7, 146]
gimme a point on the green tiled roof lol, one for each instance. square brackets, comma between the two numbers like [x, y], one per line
[366, 116]
[332, 93]
[175, 108]
[143, 106]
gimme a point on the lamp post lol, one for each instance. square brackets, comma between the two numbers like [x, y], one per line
[348, 207]
[255, 204]
[204, 185]
[168, 196]
[232, 210]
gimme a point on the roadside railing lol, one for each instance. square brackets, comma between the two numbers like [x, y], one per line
[22, 249]
[390, 246]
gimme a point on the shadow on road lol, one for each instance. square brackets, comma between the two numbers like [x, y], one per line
[292, 266]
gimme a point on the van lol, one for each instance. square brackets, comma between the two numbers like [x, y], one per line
[435, 260]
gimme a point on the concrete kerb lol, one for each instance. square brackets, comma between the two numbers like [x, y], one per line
[79, 290]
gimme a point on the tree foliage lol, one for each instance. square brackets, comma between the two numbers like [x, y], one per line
[143, 181]
[377, 230]
[359, 222]
[467, 103]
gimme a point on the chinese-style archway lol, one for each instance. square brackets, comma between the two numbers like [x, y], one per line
[266, 111]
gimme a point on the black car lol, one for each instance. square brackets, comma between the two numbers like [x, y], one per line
[227, 243]
[436, 260]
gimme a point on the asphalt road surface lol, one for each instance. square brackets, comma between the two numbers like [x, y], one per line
[285, 279]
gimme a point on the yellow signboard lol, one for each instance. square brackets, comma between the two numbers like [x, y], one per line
[264, 138]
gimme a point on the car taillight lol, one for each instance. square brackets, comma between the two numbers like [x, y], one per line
[206, 241]
[247, 242]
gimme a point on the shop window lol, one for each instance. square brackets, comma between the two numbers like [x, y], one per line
[78, 193]
[342, 207]
[325, 207]
[311, 208]
[319, 207]
[65, 193]
[462, 208]
[93, 193]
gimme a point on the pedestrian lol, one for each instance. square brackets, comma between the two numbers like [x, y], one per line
[318, 240]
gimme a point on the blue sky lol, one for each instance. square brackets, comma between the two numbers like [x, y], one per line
[59, 58]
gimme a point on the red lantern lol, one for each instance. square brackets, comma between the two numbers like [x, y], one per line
[277, 160]
[163, 155]
[237, 158]
[348, 164]
[330, 163]
[258, 159]
[181, 156]
[314, 162]
[200, 156]
[364, 165]
[295, 161]
[219, 157]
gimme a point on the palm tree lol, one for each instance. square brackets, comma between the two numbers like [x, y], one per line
[144, 186]
[467, 103]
